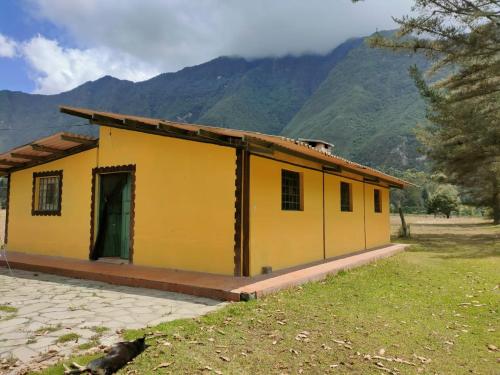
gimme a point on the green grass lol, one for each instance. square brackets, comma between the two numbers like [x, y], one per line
[59, 369]
[48, 329]
[99, 329]
[434, 306]
[67, 337]
[8, 309]
[89, 344]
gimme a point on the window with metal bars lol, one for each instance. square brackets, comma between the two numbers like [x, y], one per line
[345, 197]
[291, 191]
[377, 200]
[47, 193]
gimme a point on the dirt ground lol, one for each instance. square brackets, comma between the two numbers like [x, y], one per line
[428, 224]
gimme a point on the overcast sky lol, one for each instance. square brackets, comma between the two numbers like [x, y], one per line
[49, 46]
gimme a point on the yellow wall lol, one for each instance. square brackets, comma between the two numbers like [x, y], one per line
[278, 238]
[66, 235]
[378, 230]
[184, 208]
[283, 239]
[344, 231]
[184, 199]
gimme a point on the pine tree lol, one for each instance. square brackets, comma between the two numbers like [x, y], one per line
[463, 137]
[463, 141]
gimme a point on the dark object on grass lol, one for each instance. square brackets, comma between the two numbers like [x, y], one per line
[117, 357]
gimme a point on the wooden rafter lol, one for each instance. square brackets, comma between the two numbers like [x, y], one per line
[137, 123]
[51, 150]
[173, 129]
[371, 179]
[11, 163]
[100, 118]
[335, 168]
[212, 135]
[79, 140]
[17, 155]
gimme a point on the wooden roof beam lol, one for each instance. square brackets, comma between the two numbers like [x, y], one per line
[258, 141]
[50, 150]
[75, 112]
[326, 164]
[136, 123]
[260, 150]
[273, 146]
[101, 119]
[82, 141]
[371, 179]
[214, 136]
[332, 168]
[11, 163]
[17, 155]
[174, 129]
[258, 146]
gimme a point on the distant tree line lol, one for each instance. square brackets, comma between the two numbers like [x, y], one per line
[431, 194]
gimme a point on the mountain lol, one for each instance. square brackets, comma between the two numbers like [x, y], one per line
[360, 99]
[368, 107]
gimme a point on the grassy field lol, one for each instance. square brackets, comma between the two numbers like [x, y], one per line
[430, 310]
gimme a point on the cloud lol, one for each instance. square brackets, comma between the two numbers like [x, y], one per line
[136, 39]
[7, 47]
[176, 33]
[58, 69]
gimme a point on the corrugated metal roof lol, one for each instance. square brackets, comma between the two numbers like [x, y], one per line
[297, 147]
[43, 150]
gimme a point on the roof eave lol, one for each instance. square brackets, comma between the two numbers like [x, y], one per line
[215, 135]
[44, 150]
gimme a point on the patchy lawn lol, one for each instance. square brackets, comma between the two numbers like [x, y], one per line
[8, 309]
[430, 310]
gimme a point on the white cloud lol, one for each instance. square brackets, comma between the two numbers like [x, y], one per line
[176, 33]
[137, 39]
[59, 69]
[7, 47]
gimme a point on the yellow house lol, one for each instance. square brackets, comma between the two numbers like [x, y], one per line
[190, 197]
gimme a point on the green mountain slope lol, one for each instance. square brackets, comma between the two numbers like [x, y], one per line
[368, 107]
[358, 98]
[261, 94]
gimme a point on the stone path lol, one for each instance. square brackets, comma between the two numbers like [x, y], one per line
[39, 311]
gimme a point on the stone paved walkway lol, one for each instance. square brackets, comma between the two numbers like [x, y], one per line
[38, 311]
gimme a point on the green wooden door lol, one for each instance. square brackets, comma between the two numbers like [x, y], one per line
[125, 225]
[115, 214]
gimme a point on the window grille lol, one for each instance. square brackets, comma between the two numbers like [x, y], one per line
[47, 193]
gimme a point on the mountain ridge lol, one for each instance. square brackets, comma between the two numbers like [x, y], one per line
[344, 96]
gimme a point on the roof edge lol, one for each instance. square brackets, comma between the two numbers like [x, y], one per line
[212, 134]
[44, 150]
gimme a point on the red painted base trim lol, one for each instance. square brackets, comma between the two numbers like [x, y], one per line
[221, 287]
[193, 283]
